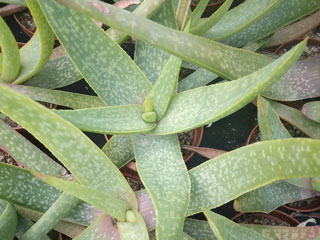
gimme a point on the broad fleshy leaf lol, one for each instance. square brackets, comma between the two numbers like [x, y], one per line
[164, 174]
[198, 229]
[256, 19]
[16, 2]
[136, 230]
[312, 111]
[301, 82]
[184, 113]
[67, 99]
[150, 59]
[294, 30]
[8, 220]
[296, 118]
[197, 13]
[152, 236]
[26, 153]
[113, 120]
[205, 152]
[87, 163]
[10, 64]
[105, 66]
[36, 53]
[209, 22]
[58, 72]
[224, 228]
[119, 150]
[109, 204]
[270, 197]
[182, 13]
[58, 211]
[212, 185]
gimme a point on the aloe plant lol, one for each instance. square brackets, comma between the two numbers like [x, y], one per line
[144, 106]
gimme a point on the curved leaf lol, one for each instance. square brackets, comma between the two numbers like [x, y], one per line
[224, 228]
[198, 229]
[8, 220]
[184, 113]
[212, 185]
[87, 163]
[105, 66]
[312, 111]
[164, 174]
[36, 53]
[113, 120]
[197, 12]
[10, 65]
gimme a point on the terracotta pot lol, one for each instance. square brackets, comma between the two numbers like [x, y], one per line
[211, 8]
[312, 207]
[253, 131]
[274, 215]
[130, 170]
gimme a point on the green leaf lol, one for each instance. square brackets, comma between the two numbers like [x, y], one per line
[113, 120]
[198, 229]
[10, 65]
[196, 79]
[270, 197]
[301, 82]
[197, 13]
[184, 113]
[8, 220]
[108, 203]
[160, 95]
[294, 30]
[26, 153]
[87, 163]
[209, 22]
[224, 228]
[296, 118]
[212, 185]
[152, 236]
[59, 210]
[182, 13]
[256, 19]
[36, 53]
[58, 72]
[102, 228]
[312, 110]
[68, 99]
[16, 2]
[150, 59]
[119, 150]
[133, 230]
[114, 83]
[164, 174]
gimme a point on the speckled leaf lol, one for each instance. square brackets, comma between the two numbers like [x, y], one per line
[196, 79]
[209, 22]
[198, 229]
[160, 95]
[312, 111]
[58, 211]
[296, 118]
[133, 230]
[8, 220]
[16, 2]
[63, 98]
[280, 232]
[106, 67]
[146, 209]
[119, 150]
[26, 153]
[294, 30]
[152, 236]
[58, 72]
[150, 59]
[36, 53]
[164, 174]
[193, 108]
[113, 120]
[301, 82]
[102, 229]
[87, 163]
[10, 64]
[212, 185]
[224, 228]
[108, 203]
[270, 197]
[256, 19]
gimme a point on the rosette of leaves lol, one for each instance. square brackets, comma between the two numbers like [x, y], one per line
[141, 106]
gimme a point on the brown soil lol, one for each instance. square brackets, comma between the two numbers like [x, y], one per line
[304, 202]
[26, 19]
[6, 158]
[185, 138]
[135, 184]
[258, 218]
